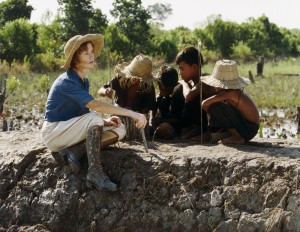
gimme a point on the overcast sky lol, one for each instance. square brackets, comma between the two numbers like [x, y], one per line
[191, 13]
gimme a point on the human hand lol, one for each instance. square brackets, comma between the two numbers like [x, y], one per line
[140, 120]
[109, 92]
[113, 121]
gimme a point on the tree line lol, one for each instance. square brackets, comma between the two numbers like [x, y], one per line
[136, 30]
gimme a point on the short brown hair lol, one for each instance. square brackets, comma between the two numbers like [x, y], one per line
[189, 55]
[83, 47]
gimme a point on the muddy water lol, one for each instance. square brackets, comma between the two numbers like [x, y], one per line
[278, 123]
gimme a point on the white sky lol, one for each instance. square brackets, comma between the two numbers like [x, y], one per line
[190, 13]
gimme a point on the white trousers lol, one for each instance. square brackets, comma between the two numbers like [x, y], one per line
[59, 135]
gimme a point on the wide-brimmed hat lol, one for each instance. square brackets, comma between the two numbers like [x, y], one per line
[225, 75]
[75, 42]
[140, 67]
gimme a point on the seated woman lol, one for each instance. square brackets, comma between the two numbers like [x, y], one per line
[73, 115]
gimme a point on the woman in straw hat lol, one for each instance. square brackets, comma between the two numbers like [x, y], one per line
[231, 109]
[72, 114]
[132, 88]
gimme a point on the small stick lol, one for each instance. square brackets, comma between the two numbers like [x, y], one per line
[144, 139]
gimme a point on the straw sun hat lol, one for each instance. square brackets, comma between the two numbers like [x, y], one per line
[225, 75]
[140, 67]
[75, 42]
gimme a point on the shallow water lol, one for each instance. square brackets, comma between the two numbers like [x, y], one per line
[278, 123]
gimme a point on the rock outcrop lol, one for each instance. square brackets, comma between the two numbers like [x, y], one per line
[174, 187]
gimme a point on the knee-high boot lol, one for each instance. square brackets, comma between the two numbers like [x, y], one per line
[96, 176]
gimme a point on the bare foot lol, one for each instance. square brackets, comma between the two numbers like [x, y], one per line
[204, 137]
[233, 140]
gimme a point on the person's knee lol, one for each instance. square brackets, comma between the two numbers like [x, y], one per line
[218, 109]
[95, 119]
[121, 131]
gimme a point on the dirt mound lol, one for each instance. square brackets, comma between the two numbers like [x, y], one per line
[174, 187]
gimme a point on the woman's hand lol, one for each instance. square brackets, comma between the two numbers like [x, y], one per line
[113, 121]
[140, 120]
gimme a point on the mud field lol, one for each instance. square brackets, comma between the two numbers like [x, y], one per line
[175, 187]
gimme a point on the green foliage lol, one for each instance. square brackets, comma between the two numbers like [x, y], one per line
[17, 40]
[11, 10]
[12, 84]
[275, 90]
[43, 84]
[159, 11]
[117, 45]
[163, 45]
[260, 132]
[134, 32]
[221, 36]
[242, 52]
[45, 62]
[50, 38]
[98, 22]
[76, 17]
[132, 20]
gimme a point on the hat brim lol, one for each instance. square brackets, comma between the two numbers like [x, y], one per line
[238, 83]
[122, 69]
[97, 41]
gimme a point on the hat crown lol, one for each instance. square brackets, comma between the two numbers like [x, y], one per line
[225, 70]
[70, 45]
[140, 66]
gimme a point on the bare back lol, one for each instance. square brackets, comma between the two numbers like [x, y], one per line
[238, 99]
[244, 103]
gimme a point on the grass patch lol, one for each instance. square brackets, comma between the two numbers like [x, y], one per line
[273, 90]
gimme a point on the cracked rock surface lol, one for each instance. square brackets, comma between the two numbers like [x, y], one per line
[175, 187]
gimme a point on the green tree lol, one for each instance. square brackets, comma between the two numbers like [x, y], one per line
[17, 41]
[76, 16]
[132, 20]
[263, 37]
[163, 44]
[50, 38]
[117, 45]
[11, 10]
[223, 36]
[183, 37]
[98, 22]
[159, 11]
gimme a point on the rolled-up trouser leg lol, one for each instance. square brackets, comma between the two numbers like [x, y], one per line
[224, 116]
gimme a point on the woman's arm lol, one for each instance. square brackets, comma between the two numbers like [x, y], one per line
[105, 108]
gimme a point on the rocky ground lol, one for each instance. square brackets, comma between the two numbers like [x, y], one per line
[174, 187]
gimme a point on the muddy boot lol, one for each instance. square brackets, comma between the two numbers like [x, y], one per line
[96, 176]
[74, 154]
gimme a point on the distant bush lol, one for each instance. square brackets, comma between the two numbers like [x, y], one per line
[43, 83]
[12, 83]
[46, 62]
[242, 52]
